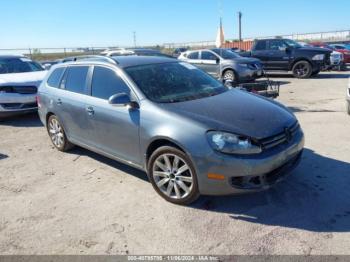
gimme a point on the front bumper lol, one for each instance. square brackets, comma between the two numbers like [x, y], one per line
[250, 173]
[247, 74]
[14, 103]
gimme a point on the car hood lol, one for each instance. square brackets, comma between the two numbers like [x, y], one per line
[29, 78]
[243, 60]
[318, 50]
[238, 112]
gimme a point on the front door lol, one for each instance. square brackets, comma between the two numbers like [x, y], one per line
[115, 130]
[279, 55]
[210, 63]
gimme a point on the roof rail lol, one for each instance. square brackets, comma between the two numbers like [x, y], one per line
[97, 58]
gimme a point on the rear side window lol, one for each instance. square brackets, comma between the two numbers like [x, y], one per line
[55, 77]
[260, 45]
[105, 83]
[194, 55]
[76, 79]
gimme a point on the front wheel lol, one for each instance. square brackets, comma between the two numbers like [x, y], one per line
[229, 75]
[173, 176]
[302, 69]
[57, 135]
[348, 107]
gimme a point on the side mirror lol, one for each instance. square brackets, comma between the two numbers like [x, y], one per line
[122, 99]
[217, 60]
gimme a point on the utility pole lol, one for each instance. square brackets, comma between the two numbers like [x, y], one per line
[240, 25]
[134, 39]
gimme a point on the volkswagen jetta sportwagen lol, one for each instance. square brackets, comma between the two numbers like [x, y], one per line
[191, 134]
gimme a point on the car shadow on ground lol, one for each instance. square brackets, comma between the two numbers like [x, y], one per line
[78, 151]
[2, 156]
[315, 197]
[28, 120]
[302, 110]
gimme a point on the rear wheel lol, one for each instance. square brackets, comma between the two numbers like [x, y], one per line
[57, 134]
[302, 69]
[173, 176]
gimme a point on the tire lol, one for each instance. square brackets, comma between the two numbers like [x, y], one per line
[302, 69]
[57, 135]
[348, 107]
[178, 188]
[230, 75]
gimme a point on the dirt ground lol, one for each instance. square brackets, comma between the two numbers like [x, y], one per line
[83, 203]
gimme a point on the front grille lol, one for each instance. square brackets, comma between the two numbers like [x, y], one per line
[19, 89]
[283, 137]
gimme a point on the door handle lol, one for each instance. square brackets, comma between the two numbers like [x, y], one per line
[90, 110]
[59, 101]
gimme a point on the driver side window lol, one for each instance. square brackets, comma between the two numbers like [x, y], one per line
[106, 82]
[277, 45]
[208, 56]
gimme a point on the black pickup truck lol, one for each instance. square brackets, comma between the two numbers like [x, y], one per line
[288, 55]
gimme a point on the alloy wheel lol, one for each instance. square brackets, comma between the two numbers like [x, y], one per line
[56, 133]
[172, 176]
[229, 75]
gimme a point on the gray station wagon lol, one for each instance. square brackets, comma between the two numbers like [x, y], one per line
[191, 134]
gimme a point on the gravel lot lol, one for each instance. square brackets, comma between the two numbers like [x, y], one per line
[83, 203]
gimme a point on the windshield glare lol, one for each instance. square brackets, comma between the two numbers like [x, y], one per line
[292, 43]
[174, 82]
[226, 54]
[18, 65]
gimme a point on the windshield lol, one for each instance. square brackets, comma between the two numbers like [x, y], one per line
[292, 43]
[226, 54]
[174, 82]
[18, 65]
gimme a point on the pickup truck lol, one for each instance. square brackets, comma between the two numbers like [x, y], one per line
[288, 55]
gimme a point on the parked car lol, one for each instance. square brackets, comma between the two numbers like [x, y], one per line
[119, 50]
[224, 65]
[235, 49]
[19, 80]
[189, 132]
[47, 64]
[140, 52]
[288, 55]
[337, 58]
[344, 50]
[178, 51]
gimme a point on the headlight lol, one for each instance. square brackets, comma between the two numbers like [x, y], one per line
[243, 65]
[232, 144]
[318, 57]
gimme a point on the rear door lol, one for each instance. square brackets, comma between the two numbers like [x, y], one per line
[114, 129]
[70, 103]
[193, 58]
[261, 52]
[210, 63]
